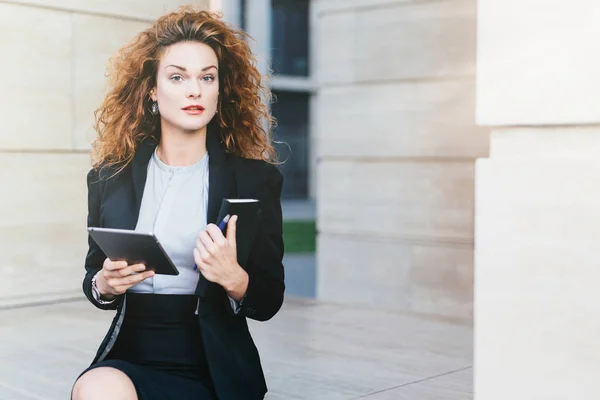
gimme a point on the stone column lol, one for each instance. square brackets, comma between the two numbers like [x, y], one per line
[397, 143]
[537, 303]
[230, 9]
[52, 79]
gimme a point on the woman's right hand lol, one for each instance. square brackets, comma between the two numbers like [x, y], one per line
[116, 277]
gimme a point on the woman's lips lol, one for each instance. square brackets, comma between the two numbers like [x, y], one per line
[193, 110]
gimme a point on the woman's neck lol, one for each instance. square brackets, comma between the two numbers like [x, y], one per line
[180, 149]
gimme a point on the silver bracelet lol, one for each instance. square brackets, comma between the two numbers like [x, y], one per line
[96, 292]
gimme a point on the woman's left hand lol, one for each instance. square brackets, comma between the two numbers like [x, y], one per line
[216, 258]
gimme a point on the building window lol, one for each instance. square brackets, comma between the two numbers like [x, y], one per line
[289, 33]
[291, 110]
[243, 24]
[287, 22]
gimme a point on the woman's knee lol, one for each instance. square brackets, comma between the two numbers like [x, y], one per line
[104, 383]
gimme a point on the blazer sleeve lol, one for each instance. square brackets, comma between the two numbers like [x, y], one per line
[95, 257]
[266, 287]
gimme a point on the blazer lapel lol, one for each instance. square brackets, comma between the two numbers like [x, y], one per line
[139, 171]
[220, 182]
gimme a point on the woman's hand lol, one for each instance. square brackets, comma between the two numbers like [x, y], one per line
[216, 258]
[116, 277]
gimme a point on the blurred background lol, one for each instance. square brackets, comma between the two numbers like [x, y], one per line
[421, 138]
[375, 109]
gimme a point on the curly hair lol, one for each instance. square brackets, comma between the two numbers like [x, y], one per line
[124, 119]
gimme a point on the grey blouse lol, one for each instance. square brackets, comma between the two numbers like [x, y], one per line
[174, 207]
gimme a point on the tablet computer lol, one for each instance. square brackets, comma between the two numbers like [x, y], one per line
[135, 248]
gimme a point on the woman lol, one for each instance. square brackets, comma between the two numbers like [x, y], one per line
[181, 128]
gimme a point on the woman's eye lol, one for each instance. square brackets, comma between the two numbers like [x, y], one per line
[176, 78]
[208, 78]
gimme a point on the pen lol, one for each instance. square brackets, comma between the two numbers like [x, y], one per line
[223, 223]
[222, 227]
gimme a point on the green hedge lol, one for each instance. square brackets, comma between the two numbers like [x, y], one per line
[300, 236]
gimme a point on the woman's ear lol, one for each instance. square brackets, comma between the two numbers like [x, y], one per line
[153, 95]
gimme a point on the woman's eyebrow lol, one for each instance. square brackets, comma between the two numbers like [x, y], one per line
[176, 66]
[185, 69]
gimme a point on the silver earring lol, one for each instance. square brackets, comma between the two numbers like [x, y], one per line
[154, 108]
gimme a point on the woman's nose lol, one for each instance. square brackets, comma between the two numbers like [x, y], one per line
[194, 90]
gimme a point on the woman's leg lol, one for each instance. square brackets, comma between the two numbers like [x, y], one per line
[104, 383]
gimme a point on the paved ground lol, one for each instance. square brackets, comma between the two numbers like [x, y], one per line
[310, 350]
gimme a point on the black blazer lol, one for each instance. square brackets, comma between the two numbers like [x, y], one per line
[114, 202]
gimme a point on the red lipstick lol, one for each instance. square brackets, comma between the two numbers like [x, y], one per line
[193, 109]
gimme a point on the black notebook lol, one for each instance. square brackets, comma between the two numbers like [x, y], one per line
[248, 212]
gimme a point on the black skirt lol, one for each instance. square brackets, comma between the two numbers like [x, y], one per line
[159, 347]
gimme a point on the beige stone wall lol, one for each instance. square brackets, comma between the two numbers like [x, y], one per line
[538, 201]
[54, 56]
[397, 142]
